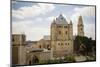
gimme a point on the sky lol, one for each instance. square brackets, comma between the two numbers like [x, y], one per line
[34, 19]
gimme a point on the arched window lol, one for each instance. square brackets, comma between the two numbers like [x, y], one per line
[39, 46]
[68, 43]
[81, 29]
[61, 43]
[58, 43]
[65, 43]
[59, 32]
[30, 62]
[66, 32]
[65, 26]
[13, 39]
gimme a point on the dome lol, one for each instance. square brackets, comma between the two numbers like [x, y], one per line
[61, 20]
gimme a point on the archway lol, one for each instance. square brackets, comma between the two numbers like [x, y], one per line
[29, 62]
[35, 60]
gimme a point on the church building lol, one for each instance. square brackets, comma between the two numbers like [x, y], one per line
[61, 37]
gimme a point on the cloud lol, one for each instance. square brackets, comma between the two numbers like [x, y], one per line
[30, 24]
[32, 11]
[89, 25]
[86, 11]
[90, 30]
[34, 29]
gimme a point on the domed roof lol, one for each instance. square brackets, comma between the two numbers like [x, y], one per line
[61, 20]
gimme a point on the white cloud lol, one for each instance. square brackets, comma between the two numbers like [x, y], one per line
[85, 12]
[34, 30]
[90, 30]
[32, 27]
[32, 11]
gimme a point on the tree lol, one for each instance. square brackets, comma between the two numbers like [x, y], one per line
[87, 42]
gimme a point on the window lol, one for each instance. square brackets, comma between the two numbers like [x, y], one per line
[68, 43]
[23, 37]
[40, 46]
[59, 26]
[61, 43]
[58, 43]
[59, 32]
[13, 39]
[80, 24]
[61, 18]
[65, 26]
[66, 32]
[81, 29]
[48, 47]
[65, 43]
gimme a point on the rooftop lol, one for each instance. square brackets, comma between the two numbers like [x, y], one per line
[61, 20]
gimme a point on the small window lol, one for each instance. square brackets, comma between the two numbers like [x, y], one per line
[65, 26]
[68, 43]
[58, 43]
[59, 32]
[61, 43]
[65, 43]
[23, 37]
[13, 39]
[80, 24]
[66, 32]
[40, 46]
[81, 29]
[62, 18]
[59, 26]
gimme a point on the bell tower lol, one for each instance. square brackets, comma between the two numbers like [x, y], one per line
[80, 26]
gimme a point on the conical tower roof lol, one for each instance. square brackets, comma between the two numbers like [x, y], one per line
[80, 20]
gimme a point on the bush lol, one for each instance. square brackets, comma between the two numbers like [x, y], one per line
[70, 58]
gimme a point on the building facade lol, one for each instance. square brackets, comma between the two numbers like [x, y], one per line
[58, 44]
[61, 37]
[18, 49]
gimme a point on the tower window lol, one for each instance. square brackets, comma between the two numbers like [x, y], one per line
[58, 43]
[40, 46]
[61, 18]
[65, 26]
[65, 43]
[80, 24]
[13, 39]
[81, 29]
[59, 26]
[68, 43]
[61, 43]
[59, 32]
[66, 32]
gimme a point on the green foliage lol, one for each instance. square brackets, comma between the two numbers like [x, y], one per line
[90, 58]
[70, 58]
[87, 42]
